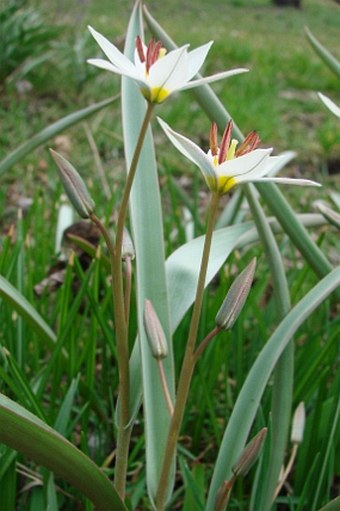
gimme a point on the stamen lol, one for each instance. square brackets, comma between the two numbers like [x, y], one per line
[225, 142]
[139, 48]
[153, 53]
[149, 53]
[213, 139]
[250, 143]
[156, 52]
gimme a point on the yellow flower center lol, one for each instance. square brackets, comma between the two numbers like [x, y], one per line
[155, 94]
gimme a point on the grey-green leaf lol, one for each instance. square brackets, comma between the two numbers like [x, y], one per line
[23, 431]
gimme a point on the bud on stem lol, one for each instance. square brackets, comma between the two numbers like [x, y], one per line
[154, 332]
[236, 297]
[74, 186]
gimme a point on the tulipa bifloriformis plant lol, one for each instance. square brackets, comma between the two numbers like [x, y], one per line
[152, 296]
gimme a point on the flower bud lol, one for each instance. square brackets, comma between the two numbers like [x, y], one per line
[74, 186]
[250, 454]
[298, 425]
[128, 249]
[236, 297]
[154, 332]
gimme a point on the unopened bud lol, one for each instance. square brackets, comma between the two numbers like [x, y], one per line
[128, 249]
[74, 186]
[154, 332]
[329, 214]
[236, 297]
[250, 454]
[298, 425]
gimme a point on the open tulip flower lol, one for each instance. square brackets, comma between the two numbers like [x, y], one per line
[157, 72]
[230, 164]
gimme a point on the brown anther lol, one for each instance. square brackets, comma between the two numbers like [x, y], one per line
[156, 51]
[152, 53]
[250, 143]
[225, 142]
[139, 48]
[213, 139]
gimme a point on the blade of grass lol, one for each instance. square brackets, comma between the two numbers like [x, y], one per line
[330, 435]
[19, 303]
[249, 398]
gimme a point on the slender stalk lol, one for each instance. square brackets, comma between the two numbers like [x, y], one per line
[127, 296]
[188, 361]
[286, 471]
[129, 181]
[165, 387]
[123, 438]
[206, 341]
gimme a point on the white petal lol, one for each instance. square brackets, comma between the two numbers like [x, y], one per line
[140, 66]
[196, 59]
[252, 164]
[190, 150]
[104, 64]
[113, 54]
[214, 78]
[170, 71]
[329, 104]
[282, 180]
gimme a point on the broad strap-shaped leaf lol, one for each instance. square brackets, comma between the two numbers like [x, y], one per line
[51, 131]
[147, 232]
[249, 398]
[23, 431]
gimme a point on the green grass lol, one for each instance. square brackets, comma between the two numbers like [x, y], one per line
[278, 99]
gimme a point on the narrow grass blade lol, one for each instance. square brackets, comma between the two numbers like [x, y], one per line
[8, 479]
[21, 430]
[249, 398]
[19, 303]
[326, 56]
[40, 138]
[331, 435]
[64, 415]
[146, 211]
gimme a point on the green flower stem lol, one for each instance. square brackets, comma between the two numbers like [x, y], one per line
[124, 432]
[284, 370]
[129, 182]
[165, 387]
[127, 296]
[188, 361]
[206, 341]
